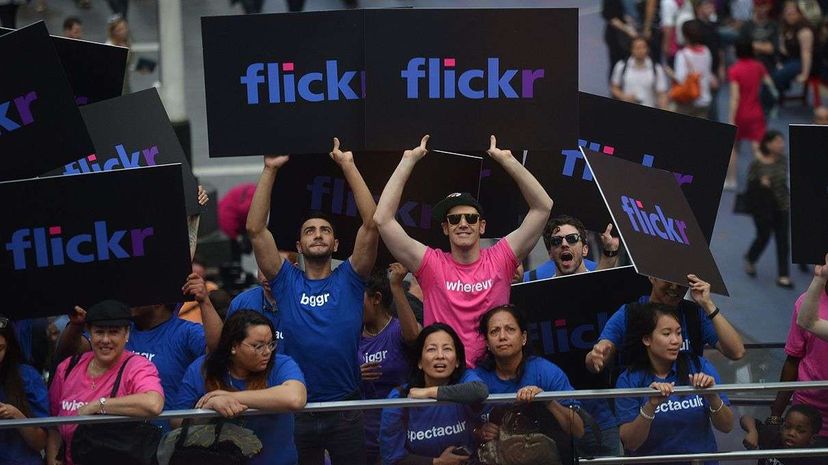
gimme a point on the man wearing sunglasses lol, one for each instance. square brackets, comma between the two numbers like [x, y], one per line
[565, 240]
[458, 287]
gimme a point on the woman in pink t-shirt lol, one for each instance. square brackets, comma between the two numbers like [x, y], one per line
[746, 77]
[82, 385]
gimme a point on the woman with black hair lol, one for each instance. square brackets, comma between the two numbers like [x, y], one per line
[508, 366]
[246, 372]
[440, 435]
[22, 395]
[665, 423]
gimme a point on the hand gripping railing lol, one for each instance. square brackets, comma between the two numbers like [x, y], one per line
[496, 399]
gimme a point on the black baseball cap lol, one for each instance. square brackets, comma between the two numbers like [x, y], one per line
[438, 213]
[109, 313]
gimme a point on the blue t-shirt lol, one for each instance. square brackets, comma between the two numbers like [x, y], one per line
[275, 431]
[254, 299]
[322, 321]
[427, 431]
[682, 423]
[388, 349]
[549, 270]
[171, 346]
[23, 332]
[13, 448]
[536, 372]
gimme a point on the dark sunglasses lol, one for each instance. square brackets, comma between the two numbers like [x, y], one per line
[471, 218]
[571, 239]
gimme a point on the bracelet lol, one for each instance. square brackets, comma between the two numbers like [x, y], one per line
[648, 417]
[102, 402]
[713, 314]
[712, 410]
[610, 253]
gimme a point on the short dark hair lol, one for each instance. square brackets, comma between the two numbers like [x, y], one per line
[417, 376]
[744, 49]
[70, 22]
[554, 223]
[487, 360]
[770, 135]
[692, 31]
[320, 215]
[378, 282]
[812, 414]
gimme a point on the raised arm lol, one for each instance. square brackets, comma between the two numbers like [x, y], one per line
[367, 238]
[609, 256]
[211, 320]
[193, 221]
[405, 249]
[601, 356]
[264, 245]
[408, 322]
[808, 317]
[730, 342]
[524, 238]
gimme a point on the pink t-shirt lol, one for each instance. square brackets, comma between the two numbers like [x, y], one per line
[813, 365]
[67, 395]
[458, 294]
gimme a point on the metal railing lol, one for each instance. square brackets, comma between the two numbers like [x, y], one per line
[318, 407]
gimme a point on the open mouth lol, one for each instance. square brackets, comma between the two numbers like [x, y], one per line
[567, 258]
[440, 367]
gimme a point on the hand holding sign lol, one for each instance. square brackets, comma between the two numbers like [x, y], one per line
[821, 271]
[700, 292]
[417, 153]
[275, 161]
[339, 156]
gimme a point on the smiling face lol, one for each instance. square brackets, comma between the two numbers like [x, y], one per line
[667, 293]
[797, 430]
[464, 235]
[253, 353]
[664, 343]
[504, 337]
[568, 258]
[316, 239]
[108, 342]
[438, 359]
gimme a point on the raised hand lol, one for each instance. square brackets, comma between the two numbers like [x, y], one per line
[595, 358]
[611, 244]
[196, 287]
[398, 272]
[418, 152]
[78, 316]
[276, 161]
[699, 290]
[821, 271]
[338, 155]
[499, 155]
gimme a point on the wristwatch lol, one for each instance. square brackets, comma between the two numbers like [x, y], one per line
[610, 253]
[102, 401]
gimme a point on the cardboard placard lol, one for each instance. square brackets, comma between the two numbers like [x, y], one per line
[95, 71]
[268, 92]
[132, 131]
[76, 240]
[564, 328]
[252, 67]
[40, 125]
[809, 192]
[655, 221]
[315, 182]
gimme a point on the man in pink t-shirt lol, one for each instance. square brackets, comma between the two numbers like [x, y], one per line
[458, 287]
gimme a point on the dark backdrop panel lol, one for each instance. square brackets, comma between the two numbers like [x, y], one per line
[655, 221]
[809, 193]
[290, 46]
[40, 126]
[130, 132]
[315, 182]
[75, 240]
[567, 315]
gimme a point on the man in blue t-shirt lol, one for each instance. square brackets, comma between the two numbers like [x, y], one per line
[713, 328]
[565, 239]
[320, 311]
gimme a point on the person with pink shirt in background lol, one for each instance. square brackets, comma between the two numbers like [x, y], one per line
[459, 286]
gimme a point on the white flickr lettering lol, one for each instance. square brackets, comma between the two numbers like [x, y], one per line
[673, 405]
[436, 432]
[147, 355]
[460, 286]
[71, 405]
[315, 300]
[375, 357]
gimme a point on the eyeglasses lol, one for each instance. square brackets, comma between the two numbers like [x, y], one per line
[3, 322]
[571, 239]
[262, 348]
[471, 218]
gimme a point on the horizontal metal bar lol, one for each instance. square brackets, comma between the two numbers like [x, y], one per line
[320, 407]
[722, 456]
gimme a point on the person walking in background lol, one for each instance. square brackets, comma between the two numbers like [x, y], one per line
[695, 58]
[618, 33]
[796, 46]
[638, 80]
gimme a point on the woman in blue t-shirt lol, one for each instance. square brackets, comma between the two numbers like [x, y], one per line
[22, 395]
[246, 372]
[507, 366]
[666, 423]
[441, 434]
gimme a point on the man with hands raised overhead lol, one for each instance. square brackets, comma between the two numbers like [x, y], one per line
[458, 287]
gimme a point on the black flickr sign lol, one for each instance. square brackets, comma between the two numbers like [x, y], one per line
[40, 125]
[655, 221]
[270, 93]
[809, 193]
[65, 243]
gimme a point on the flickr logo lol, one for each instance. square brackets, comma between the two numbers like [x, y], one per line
[445, 79]
[315, 86]
[670, 229]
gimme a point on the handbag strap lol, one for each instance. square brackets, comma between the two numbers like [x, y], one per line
[118, 378]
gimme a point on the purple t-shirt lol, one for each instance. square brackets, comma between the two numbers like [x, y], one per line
[387, 348]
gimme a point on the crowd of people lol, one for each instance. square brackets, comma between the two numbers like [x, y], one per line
[322, 333]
